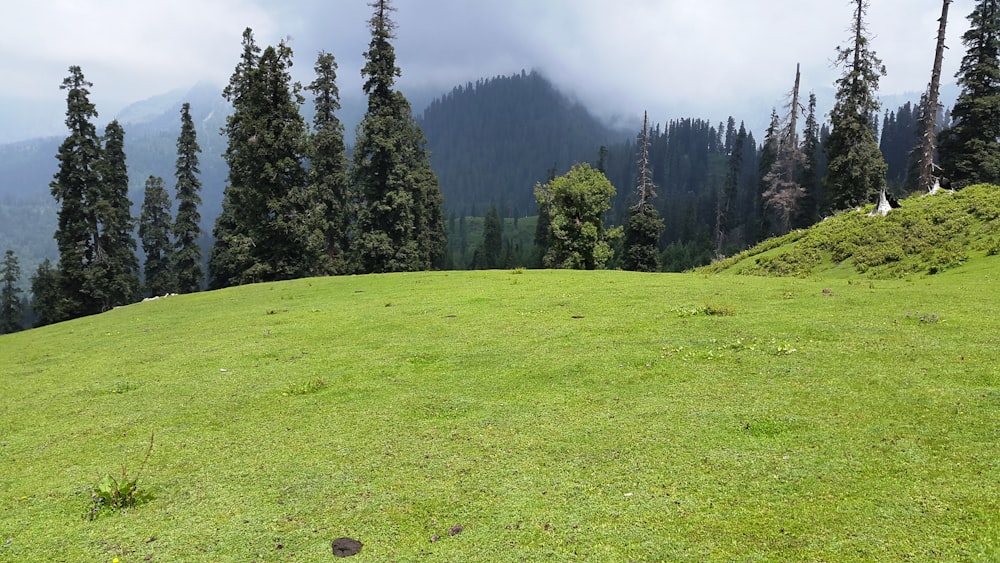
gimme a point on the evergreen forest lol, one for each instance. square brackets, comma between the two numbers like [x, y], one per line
[263, 182]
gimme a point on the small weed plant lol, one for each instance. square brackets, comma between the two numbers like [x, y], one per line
[305, 388]
[119, 494]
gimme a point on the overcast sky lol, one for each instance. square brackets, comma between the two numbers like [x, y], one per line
[675, 58]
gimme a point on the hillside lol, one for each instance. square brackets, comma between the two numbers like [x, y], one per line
[926, 235]
[491, 141]
[552, 415]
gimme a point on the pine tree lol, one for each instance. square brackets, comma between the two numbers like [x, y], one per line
[11, 308]
[783, 192]
[489, 255]
[812, 182]
[75, 188]
[46, 292]
[266, 203]
[154, 232]
[230, 259]
[400, 224]
[577, 202]
[970, 149]
[186, 260]
[115, 272]
[725, 209]
[856, 170]
[643, 226]
[328, 165]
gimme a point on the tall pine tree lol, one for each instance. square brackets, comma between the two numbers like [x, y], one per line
[400, 222]
[328, 166]
[263, 233]
[643, 225]
[855, 170]
[154, 234]
[115, 272]
[970, 149]
[186, 260]
[76, 187]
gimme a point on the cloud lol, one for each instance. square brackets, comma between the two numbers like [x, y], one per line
[675, 58]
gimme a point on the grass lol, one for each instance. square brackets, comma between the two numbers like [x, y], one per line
[927, 235]
[554, 415]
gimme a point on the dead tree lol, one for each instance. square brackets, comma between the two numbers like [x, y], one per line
[929, 112]
[784, 193]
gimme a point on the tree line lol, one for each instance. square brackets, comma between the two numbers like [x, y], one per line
[292, 207]
[297, 204]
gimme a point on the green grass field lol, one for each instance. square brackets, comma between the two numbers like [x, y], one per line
[553, 415]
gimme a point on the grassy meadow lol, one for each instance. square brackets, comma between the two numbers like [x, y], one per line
[552, 415]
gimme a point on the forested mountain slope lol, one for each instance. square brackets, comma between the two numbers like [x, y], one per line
[491, 141]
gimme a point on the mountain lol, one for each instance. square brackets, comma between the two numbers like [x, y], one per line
[491, 141]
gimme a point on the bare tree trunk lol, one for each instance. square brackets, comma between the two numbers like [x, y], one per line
[645, 181]
[928, 141]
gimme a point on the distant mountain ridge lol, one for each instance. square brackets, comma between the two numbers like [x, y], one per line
[491, 141]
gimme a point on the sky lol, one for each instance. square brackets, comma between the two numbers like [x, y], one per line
[674, 58]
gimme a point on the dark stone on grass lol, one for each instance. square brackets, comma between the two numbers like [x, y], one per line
[455, 530]
[435, 538]
[346, 547]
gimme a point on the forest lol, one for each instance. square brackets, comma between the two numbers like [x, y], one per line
[501, 173]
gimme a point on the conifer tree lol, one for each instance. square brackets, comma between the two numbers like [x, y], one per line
[725, 212]
[970, 149]
[230, 259]
[263, 233]
[76, 188]
[783, 192]
[489, 255]
[11, 308]
[643, 226]
[186, 259]
[400, 224]
[154, 233]
[812, 176]
[46, 294]
[855, 170]
[328, 166]
[114, 275]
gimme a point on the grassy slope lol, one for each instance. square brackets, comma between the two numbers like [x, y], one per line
[816, 420]
[925, 235]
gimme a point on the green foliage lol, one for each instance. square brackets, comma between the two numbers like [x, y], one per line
[328, 174]
[76, 188]
[186, 256]
[114, 274]
[576, 203]
[154, 234]
[11, 307]
[265, 232]
[856, 169]
[46, 294]
[928, 234]
[400, 225]
[642, 240]
[118, 494]
[489, 253]
[307, 387]
[493, 139]
[970, 148]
